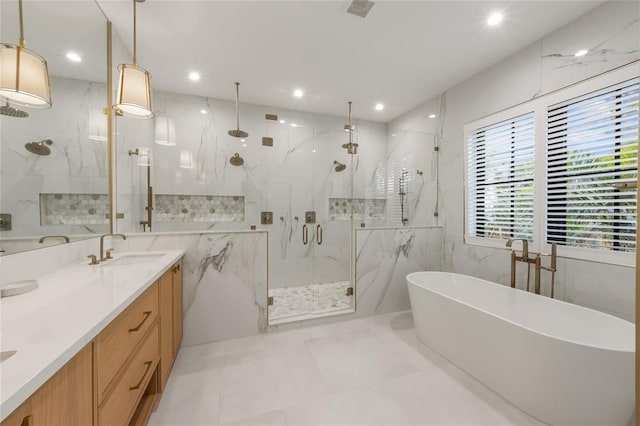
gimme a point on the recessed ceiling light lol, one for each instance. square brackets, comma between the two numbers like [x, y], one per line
[581, 52]
[432, 116]
[242, 140]
[495, 18]
[379, 107]
[393, 134]
[294, 125]
[203, 111]
[244, 144]
[194, 76]
[298, 93]
[74, 57]
[282, 121]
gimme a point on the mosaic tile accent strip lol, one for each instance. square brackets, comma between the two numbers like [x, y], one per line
[309, 299]
[74, 209]
[199, 208]
[363, 208]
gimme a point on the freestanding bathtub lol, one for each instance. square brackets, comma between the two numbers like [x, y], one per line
[561, 363]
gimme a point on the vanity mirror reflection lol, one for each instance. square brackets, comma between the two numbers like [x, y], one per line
[54, 162]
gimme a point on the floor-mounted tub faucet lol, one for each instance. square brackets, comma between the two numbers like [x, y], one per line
[524, 258]
[536, 261]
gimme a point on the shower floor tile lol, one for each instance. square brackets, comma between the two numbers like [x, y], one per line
[364, 371]
[302, 302]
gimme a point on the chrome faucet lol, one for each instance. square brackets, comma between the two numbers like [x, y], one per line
[102, 258]
[64, 237]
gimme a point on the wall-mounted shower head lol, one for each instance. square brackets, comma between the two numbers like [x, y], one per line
[39, 147]
[12, 112]
[236, 160]
[339, 166]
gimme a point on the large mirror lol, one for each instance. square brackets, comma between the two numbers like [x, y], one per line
[53, 162]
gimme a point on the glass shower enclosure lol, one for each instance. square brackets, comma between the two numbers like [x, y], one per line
[308, 196]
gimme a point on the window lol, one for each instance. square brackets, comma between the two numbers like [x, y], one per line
[592, 152]
[500, 179]
[561, 168]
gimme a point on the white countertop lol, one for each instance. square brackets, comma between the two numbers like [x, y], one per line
[49, 325]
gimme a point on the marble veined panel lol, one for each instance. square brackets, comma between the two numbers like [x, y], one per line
[384, 257]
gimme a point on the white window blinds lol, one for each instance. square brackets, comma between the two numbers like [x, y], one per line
[500, 167]
[592, 145]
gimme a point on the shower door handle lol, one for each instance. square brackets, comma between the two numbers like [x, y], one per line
[319, 233]
[305, 234]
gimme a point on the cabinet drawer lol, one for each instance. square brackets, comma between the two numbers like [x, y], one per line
[118, 339]
[120, 403]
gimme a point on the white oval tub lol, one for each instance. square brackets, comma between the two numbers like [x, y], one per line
[561, 363]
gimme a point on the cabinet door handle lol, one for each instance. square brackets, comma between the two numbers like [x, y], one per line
[146, 315]
[27, 421]
[146, 370]
[319, 233]
[305, 234]
[176, 268]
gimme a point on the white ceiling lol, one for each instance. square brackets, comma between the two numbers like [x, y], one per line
[401, 54]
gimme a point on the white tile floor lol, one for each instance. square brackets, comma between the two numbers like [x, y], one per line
[369, 371]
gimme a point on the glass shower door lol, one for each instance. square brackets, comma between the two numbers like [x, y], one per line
[291, 240]
[333, 292]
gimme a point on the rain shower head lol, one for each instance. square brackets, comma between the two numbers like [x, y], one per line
[39, 147]
[12, 112]
[237, 133]
[339, 166]
[236, 160]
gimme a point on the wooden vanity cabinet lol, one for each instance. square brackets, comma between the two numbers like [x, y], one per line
[170, 286]
[177, 307]
[65, 399]
[116, 379]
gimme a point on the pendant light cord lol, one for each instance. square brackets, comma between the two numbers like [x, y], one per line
[21, 26]
[134, 33]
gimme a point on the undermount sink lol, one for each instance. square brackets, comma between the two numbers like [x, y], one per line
[5, 355]
[134, 259]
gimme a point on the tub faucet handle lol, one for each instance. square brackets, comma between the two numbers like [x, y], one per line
[525, 245]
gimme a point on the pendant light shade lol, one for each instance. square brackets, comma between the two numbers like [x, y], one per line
[165, 131]
[24, 75]
[134, 92]
[133, 97]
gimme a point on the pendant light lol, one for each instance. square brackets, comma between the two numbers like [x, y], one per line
[133, 97]
[24, 75]
[165, 131]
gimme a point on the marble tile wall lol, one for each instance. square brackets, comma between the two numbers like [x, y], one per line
[224, 281]
[77, 163]
[384, 257]
[610, 31]
[74, 209]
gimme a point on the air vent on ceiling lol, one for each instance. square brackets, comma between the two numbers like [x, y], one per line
[360, 7]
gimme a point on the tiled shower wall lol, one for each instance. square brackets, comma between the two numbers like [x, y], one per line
[76, 166]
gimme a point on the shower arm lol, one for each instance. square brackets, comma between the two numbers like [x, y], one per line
[237, 105]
